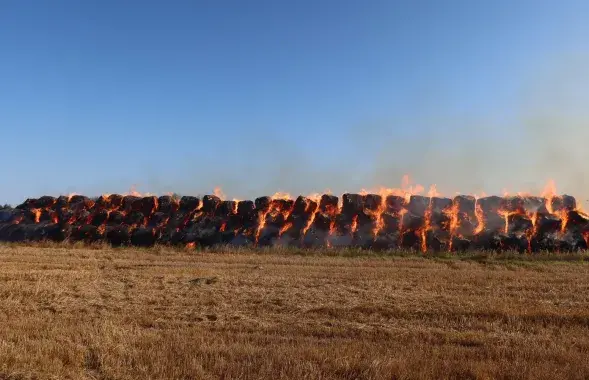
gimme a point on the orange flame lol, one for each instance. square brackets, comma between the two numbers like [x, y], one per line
[354, 225]
[37, 213]
[281, 195]
[505, 214]
[478, 210]
[452, 213]
[218, 192]
[284, 228]
[428, 217]
[311, 219]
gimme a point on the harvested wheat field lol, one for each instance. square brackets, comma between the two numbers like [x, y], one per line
[173, 314]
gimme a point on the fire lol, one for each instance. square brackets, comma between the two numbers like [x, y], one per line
[564, 216]
[532, 231]
[453, 224]
[332, 228]
[279, 215]
[235, 204]
[406, 190]
[281, 195]
[480, 217]
[379, 222]
[354, 225]
[505, 214]
[133, 191]
[428, 217]
[218, 192]
[311, 218]
[284, 228]
[190, 245]
[549, 193]
[37, 213]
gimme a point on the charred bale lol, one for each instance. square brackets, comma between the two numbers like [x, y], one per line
[131, 203]
[116, 200]
[100, 217]
[87, 233]
[189, 203]
[394, 204]
[149, 205]
[78, 199]
[352, 204]
[167, 204]
[282, 205]
[45, 201]
[27, 204]
[411, 240]
[460, 244]
[56, 232]
[322, 221]
[210, 203]
[303, 205]
[62, 201]
[486, 240]
[535, 205]
[263, 204]
[118, 235]
[158, 219]
[563, 203]
[372, 202]
[208, 235]
[412, 222]
[418, 205]
[386, 241]
[494, 222]
[439, 204]
[513, 204]
[465, 204]
[226, 208]
[513, 242]
[344, 224]
[519, 223]
[268, 235]
[143, 237]
[247, 213]
[490, 205]
[328, 204]
[390, 223]
[576, 221]
[134, 218]
[572, 241]
[103, 203]
[116, 217]
[548, 224]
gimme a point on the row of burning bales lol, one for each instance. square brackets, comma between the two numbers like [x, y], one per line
[522, 223]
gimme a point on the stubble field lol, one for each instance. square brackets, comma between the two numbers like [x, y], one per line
[106, 313]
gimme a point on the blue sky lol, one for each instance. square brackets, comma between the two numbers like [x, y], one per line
[300, 96]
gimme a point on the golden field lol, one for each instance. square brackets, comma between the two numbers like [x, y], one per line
[82, 313]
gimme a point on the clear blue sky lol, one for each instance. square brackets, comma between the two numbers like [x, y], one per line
[96, 96]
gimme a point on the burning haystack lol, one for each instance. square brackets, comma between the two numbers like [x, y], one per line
[378, 221]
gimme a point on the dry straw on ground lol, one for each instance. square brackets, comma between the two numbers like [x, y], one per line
[163, 314]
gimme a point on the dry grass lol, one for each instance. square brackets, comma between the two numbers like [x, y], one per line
[171, 314]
